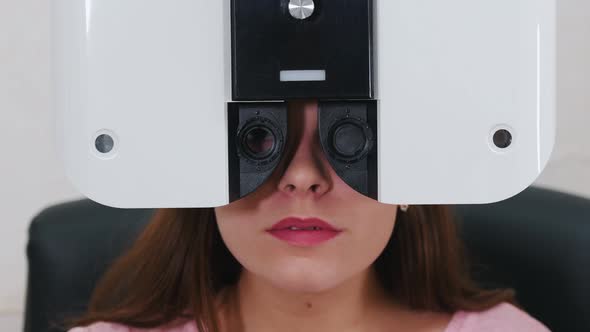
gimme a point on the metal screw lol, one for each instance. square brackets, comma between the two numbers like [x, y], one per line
[301, 9]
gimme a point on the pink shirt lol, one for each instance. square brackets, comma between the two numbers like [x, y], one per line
[501, 318]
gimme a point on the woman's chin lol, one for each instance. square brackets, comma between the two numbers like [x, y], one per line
[302, 286]
[303, 281]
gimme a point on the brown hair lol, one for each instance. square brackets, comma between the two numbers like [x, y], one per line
[180, 263]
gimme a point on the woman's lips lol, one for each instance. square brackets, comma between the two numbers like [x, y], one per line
[303, 223]
[303, 232]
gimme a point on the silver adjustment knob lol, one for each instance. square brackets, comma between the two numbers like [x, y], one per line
[301, 9]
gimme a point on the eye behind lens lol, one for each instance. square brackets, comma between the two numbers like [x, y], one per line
[259, 142]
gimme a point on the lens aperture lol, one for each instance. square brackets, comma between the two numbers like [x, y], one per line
[259, 142]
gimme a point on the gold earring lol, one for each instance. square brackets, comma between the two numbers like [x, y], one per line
[404, 208]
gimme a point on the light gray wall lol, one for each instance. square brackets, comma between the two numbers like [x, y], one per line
[569, 169]
[31, 178]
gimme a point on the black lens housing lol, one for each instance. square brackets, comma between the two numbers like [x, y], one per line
[348, 135]
[251, 159]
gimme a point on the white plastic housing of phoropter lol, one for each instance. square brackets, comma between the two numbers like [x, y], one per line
[155, 75]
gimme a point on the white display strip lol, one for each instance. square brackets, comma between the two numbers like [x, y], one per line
[302, 75]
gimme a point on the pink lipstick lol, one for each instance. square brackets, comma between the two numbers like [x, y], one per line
[303, 232]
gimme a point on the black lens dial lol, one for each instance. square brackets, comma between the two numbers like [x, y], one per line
[350, 140]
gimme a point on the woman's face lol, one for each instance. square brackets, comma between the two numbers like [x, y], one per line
[305, 185]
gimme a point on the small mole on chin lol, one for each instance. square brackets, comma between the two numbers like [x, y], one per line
[308, 304]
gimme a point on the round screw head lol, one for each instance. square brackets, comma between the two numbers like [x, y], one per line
[301, 9]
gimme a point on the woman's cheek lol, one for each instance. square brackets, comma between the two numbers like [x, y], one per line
[230, 235]
[372, 237]
[245, 243]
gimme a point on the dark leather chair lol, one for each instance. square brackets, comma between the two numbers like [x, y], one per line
[537, 242]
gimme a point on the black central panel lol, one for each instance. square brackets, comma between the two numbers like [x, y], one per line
[266, 39]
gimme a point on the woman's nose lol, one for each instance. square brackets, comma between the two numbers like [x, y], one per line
[306, 170]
